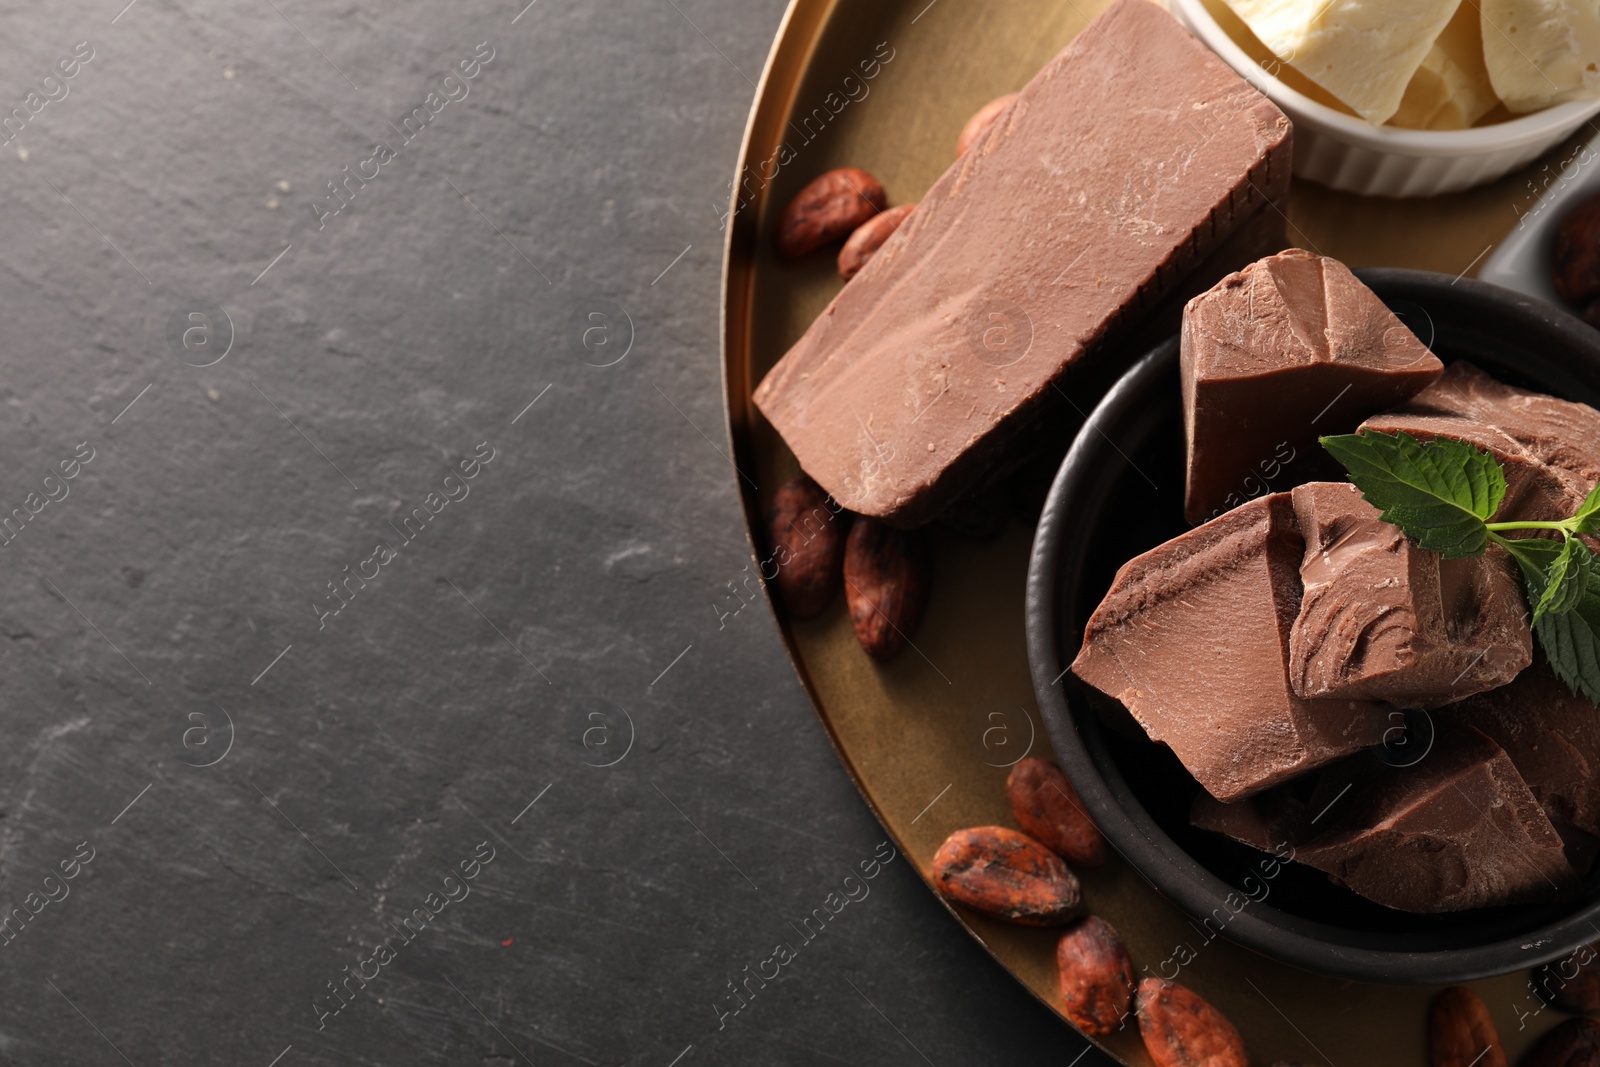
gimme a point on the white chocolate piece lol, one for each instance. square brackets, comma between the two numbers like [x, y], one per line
[1542, 52]
[1451, 90]
[1365, 52]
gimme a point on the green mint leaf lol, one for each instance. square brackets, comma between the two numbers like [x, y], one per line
[1568, 579]
[1570, 639]
[1571, 643]
[1440, 492]
[1566, 573]
[1587, 518]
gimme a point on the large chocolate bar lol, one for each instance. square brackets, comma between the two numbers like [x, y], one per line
[1193, 639]
[1288, 349]
[1128, 160]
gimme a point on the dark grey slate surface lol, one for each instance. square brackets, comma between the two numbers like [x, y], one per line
[267, 788]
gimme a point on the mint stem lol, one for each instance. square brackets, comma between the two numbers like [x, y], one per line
[1565, 526]
[1510, 546]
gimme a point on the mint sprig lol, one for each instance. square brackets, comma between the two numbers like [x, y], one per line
[1442, 494]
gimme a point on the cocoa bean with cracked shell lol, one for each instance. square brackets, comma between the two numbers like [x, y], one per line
[1007, 874]
[1096, 977]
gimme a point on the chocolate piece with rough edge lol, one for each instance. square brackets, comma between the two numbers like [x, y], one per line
[1281, 818]
[1193, 639]
[1270, 821]
[1290, 348]
[1459, 830]
[1381, 619]
[1549, 448]
[1552, 737]
[1127, 161]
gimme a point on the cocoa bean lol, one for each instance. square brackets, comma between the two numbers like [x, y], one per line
[1460, 1032]
[868, 238]
[1006, 874]
[1573, 982]
[1097, 979]
[886, 578]
[981, 120]
[1047, 809]
[1577, 253]
[1181, 1029]
[807, 532]
[1575, 1043]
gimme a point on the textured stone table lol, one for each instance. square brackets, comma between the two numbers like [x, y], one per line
[345, 584]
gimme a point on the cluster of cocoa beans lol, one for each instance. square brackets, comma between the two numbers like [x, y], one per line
[817, 547]
[844, 204]
[1022, 876]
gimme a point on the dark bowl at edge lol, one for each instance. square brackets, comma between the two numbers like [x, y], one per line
[1124, 458]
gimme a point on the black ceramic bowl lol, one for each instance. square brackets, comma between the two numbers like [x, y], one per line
[1120, 492]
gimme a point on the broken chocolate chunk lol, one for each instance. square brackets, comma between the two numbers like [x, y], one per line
[1193, 639]
[1291, 347]
[1272, 821]
[1283, 817]
[1549, 448]
[1381, 619]
[1553, 738]
[1459, 830]
[1132, 157]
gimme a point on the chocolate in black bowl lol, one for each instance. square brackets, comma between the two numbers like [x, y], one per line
[1119, 493]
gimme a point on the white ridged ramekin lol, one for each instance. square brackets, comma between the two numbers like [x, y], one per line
[1349, 153]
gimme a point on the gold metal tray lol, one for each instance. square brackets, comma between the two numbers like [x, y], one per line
[927, 738]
